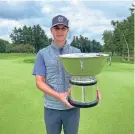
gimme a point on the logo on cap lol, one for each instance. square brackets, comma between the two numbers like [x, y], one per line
[60, 19]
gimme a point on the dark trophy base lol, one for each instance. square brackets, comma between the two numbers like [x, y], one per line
[83, 81]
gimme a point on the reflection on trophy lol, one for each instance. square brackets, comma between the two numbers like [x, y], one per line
[83, 68]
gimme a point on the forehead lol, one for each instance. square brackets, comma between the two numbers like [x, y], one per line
[60, 25]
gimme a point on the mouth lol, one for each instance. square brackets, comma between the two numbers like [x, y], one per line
[60, 35]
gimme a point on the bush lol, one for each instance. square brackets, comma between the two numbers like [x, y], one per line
[2, 48]
[8, 48]
[22, 49]
[28, 49]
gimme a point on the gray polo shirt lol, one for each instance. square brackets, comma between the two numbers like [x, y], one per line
[47, 64]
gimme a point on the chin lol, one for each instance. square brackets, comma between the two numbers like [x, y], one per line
[60, 39]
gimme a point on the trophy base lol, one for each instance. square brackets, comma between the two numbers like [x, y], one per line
[83, 92]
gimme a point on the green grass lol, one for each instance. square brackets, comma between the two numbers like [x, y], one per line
[21, 104]
[120, 59]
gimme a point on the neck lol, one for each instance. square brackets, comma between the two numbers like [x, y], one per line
[60, 43]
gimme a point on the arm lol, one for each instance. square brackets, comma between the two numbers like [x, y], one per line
[48, 90]
[40, 83]
[40, 72]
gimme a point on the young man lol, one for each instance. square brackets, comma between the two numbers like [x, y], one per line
[52, 79]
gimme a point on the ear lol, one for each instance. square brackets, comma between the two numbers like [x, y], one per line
[68, 30]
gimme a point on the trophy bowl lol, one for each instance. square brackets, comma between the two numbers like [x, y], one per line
[83, 67]
[84, 64]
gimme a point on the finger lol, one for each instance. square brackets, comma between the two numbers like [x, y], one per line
[68, 104]
[68, 91]
[97, 93]
[99, 97]
[99, 100]
[65, 93]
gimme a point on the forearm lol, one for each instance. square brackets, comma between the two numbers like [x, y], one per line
[47, 89]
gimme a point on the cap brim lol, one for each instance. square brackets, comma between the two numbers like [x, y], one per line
[58, 24]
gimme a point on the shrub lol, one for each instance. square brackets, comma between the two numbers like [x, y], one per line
[22, 48]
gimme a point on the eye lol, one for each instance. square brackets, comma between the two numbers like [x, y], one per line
[56, 28]
[64, 28]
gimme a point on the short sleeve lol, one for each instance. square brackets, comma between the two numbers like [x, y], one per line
[39, 65]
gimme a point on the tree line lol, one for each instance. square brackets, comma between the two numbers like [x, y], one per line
[120, 41]
[32, 39]
[34, 36]
[86, 45]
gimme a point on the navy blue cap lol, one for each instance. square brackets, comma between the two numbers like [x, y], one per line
[59, 19]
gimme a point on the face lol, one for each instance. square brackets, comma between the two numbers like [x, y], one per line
[59, 32]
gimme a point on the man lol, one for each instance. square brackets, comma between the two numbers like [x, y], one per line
[52, 79]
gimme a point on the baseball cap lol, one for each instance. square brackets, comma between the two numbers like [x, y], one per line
[60, 19]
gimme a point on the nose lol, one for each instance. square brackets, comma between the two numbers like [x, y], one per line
[60, 30]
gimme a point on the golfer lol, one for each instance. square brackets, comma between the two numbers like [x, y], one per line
[53, 80]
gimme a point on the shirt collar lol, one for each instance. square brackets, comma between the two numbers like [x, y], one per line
[54, 46]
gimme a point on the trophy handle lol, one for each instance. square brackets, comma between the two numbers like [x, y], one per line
[81, 104]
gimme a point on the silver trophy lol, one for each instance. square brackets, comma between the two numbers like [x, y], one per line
[83, 68]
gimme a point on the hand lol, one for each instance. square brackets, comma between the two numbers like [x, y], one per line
[62, 98]
[98, 95]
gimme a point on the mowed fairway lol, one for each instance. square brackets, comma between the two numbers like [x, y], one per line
[21, 104]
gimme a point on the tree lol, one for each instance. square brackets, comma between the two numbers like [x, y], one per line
[109, 44]
[120, 40]
[85, 45]
[125, 31]
[34, 36]
[3, 44]
[39, 37]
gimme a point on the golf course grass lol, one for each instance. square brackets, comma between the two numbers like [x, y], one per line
[21, 103]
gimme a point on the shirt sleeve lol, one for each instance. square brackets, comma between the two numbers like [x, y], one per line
[39, 65]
